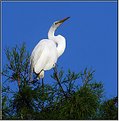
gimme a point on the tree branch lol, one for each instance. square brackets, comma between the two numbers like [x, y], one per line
[58, 80]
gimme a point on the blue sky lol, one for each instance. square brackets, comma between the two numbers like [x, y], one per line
[91, 34]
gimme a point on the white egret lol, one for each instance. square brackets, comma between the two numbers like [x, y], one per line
[45, 54]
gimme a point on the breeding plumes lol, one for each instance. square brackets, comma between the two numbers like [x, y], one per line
[45, 54]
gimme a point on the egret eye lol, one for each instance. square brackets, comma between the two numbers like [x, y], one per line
[55, 23]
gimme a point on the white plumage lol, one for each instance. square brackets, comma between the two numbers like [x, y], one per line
[45, 54]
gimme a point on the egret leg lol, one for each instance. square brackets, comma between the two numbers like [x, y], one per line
[42, 85]
[43, 92]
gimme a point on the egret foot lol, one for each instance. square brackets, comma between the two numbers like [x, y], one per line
[40, 75]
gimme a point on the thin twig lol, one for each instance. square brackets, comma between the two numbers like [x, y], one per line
[18, 80]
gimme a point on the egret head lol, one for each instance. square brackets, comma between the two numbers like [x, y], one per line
[56, 24]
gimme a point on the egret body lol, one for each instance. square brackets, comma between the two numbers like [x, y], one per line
[45, 54]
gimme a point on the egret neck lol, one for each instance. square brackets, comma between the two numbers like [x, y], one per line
[59, 40]
[51, 32]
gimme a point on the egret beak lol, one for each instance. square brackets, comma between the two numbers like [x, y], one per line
[63, 20]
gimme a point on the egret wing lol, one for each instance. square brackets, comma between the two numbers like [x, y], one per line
[42, 61]
[38, 51]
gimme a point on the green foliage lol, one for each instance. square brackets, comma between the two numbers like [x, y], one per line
[71, 95]
[18, 64]
[109, 110]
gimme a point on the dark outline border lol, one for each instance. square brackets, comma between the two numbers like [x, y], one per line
[46, 1]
